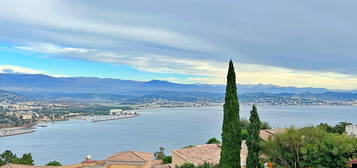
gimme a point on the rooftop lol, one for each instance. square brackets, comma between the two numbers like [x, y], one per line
[130, 156]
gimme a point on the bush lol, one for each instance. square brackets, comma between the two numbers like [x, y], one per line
[167, 160]
[186, 165]
[244, 134]
[245, 123]
[213, 141]
[53, 163]
[339, 128]
[310, 147]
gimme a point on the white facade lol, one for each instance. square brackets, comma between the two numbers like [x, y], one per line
[351, 130]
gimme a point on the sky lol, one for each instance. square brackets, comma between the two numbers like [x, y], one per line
[281, 42]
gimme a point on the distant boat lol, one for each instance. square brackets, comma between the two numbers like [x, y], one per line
[42, 126]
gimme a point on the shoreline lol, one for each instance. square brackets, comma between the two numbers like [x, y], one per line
[13, 131]
[16, 131]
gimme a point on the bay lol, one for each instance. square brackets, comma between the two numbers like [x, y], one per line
[70, 141]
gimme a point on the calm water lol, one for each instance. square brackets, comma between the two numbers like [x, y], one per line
[69, 141]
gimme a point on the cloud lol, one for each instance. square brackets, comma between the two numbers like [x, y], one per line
[286, 42]
[11, 69]
[17, 69]
[206, 71]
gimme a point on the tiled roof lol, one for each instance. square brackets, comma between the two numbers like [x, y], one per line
[200, 154]
[354, 161]
[10, 165]
[267, 133]
[210, 153]
[131, 156]
[30, 166]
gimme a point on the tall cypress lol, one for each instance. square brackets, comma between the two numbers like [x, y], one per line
[253, 140]
[231, 131]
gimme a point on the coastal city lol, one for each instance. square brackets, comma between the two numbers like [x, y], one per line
[178, 84]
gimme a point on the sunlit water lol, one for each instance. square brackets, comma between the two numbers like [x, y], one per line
[69, 141]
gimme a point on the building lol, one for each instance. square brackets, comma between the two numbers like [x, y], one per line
[196, 155]
[351, 130]
[26, 116]
[128, 159]
[211, 153]
[269, 133]
[200, 154]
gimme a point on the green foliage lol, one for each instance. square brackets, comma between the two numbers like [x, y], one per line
[8, 157]
[189, 146]
[231, 129]
[245, 124]
[53, 163]
[167, 160]
[213, 141]
[26, 159]
[204, 165]
[186, 165]
[159, 155]
[310, 147]
[339, 128]
[264, 125]
[253, 140]
[244, 134]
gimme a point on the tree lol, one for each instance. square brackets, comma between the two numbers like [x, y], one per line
[53, 163]
[159, 155]
[7, 157]
[26, 159]
[213, 141]
[310, 147]
[341, 127]
[231, 130]
[253, 140]
[338, 128]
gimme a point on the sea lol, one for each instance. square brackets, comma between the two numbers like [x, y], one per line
[172, 128]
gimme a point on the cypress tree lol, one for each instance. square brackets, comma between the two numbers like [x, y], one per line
[231, 131]
[253, 140]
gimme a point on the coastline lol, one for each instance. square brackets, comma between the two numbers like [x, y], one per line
[16, 131]
[13, 131]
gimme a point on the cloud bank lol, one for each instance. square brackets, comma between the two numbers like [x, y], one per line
[285, 42]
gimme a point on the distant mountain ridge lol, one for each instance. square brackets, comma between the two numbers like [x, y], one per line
[48, 87]
[49, 84]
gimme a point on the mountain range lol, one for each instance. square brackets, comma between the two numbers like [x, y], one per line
[48, 87]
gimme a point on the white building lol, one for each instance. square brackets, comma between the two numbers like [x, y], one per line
[351, 130]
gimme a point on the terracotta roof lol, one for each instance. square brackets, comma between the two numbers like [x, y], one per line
[200, 154]
[267, 133]
[354, 161]
[30, 166]
[89, 161]
[10, 165]
[130, 156]
[163, 166]
[210, 153]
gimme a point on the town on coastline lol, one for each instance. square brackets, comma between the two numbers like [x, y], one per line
[23, 117]
[245, 144]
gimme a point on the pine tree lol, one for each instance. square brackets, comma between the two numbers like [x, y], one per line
[231, 131]
[253, 140]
